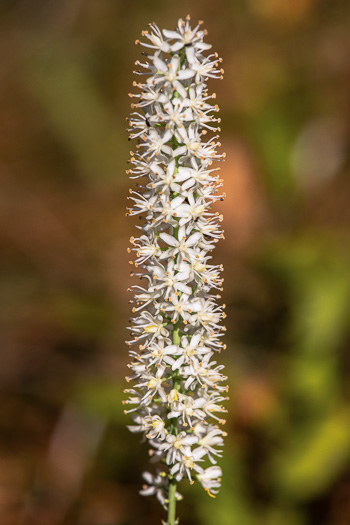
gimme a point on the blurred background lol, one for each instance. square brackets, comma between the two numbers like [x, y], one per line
[66, 457]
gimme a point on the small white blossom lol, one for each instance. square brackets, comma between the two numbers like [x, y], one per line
[210, 479]
[157, 486]
[177, 446]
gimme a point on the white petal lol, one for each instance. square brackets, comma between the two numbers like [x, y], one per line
[188, 184]
[183, 267]
[175, 62]
[172, 349]
[183, 210]
[168, 106]
[171, 167]
[190, 440]
[203, 46]
[179, 476]
[157, 170]
[149, 491]
[167, 150]
[163, 99]
[167, 136]
[177, 46]
[169, 360]
[190, 54]
[185, 73]
[179, 151]
[174, 413]
[183, 288]
[184, 221]
[199, 453]
[171, 241]
[165, 47]
[179, 177]
[171, 34]
[193, 239]
[178, 363]
[191, 198]
[182, 276]
[181, 234]
[180, 89]
[160, 65]
[177, 201]
[148, 477]
[166, 254]
[158, 272]
[181, 134]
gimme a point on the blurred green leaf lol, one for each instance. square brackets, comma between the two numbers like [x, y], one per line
[274, 138]
[88, 316]
[315, 380]
[78, 114]
[313, 462]
[231, 506]
[318, 279]
[102, 399]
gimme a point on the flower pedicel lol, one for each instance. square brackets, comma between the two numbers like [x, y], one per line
[178, 387]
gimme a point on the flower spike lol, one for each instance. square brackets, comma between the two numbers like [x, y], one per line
[178, 389]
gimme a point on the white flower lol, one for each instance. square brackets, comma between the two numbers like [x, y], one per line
[187, 408]
[181, 245]
[184, 465]
[179, 306]
[177, 446]
[210, 405]
[153, 386]
[157, 426]
[210, 479]
[170, 281]
[155, 143]
[158, 486]
[156, 39]
[158, 352]
[191, 211]
[185, 36]
[149, 327]
[202, 372]
[164, 179]
[142, 424]
[209, 441]
[189, 351]
[169, 73]
[175, 114]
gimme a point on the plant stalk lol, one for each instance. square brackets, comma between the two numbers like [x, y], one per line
[172, 503]
[174, 430]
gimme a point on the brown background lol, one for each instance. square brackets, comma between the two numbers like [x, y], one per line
[65, 455]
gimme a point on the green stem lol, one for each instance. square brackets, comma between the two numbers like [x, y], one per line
[176, 385]
[172, 503]
[174, 430]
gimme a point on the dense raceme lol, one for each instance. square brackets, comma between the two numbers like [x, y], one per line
[177, 386]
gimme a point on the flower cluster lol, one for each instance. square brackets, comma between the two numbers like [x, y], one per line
[178, 389]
